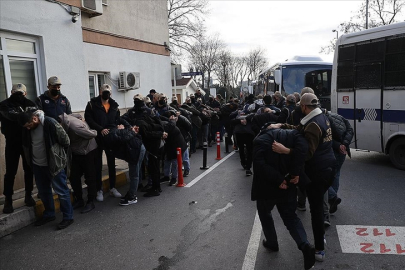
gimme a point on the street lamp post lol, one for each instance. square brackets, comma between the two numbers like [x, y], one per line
[337, 33]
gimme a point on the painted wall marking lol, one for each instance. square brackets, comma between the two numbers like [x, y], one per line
[372, 239]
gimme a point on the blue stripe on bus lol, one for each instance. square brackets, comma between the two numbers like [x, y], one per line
[392, 116]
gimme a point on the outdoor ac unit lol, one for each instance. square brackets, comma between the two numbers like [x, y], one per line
[92, 7]
[129, 80]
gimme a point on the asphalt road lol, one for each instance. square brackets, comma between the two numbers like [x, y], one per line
[209, 226]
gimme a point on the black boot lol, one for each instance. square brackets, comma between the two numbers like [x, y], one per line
[88, 207]
[8, 205]
[309, 256]
[29, 201]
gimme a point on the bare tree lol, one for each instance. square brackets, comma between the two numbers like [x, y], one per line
[185, 19]
[381, 12]
[256, 62]
[223, 66]
[204, 55]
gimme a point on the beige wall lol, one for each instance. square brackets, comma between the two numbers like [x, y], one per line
[143, 20]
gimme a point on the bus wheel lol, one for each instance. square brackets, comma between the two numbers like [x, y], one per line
[397, 153]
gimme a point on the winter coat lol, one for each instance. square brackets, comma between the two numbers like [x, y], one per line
[245, 129]
[53, 108]
[173, 141]
[285, 114]
[82, 138]
[270, 168]
[56, 143]
[10, 109]
[150, 128]
[195, 117]
[342, 132]
[259, 120]
[185, 127]
[98, 119]
[125, 144]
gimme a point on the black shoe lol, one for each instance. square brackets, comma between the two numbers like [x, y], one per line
[248, 173]
[44, 220]
[309, 256]
[65, 223]
[334, 204]
[146, 188]
[164, 179]
[78, 204]
[8, 206]
[243, 165]
[29, 201]
[152, 193]
[128, 200]
[172, 182]
[270, 247]
[186, 173]
[301, 207]
[88, 207]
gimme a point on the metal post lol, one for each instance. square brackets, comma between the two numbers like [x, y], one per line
[204, 167]
[366, 14]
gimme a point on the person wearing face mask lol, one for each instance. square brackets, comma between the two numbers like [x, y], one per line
[53, 102]
[10, 108]
[102, 114]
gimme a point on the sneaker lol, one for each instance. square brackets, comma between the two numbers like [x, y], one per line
[309, 256]
[100, 196]
[320, 255]
[152, 193]
[8, 206]
[270, 247]
[115, 193]
[127, 200]
[88, 207]
[334, 204]
[29, 201]
[186, 173]
[44, 220]
[301, 207]
[65, 223]
[248, 173]
[164, 179]
[172, 182]
[326, 223]
[78, 204]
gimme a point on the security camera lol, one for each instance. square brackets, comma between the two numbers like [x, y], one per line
[75, 19]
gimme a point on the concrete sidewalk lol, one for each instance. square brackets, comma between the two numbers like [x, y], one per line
[24, 216]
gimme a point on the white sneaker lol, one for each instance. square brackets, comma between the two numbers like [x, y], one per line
[115, 193]
[100, 196]
[320, 255]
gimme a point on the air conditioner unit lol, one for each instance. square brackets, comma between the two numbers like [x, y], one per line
[92, 7]
[129, 80]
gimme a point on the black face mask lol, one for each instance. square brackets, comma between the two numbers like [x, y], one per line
[139, 104]
[175, 102]
[105, 95]
[17, 97]
[211, 99]
[192, 100]
[162, 102]
[55, 92]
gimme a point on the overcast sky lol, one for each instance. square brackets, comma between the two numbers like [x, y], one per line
[283, 28]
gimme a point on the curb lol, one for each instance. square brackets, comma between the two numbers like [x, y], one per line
[24, 216]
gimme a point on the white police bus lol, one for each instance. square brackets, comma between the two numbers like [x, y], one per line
[304, 71]
[368, 88]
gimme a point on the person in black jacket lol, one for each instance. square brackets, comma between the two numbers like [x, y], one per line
[275, 183]
[10, 108]
[102, 114]
[263, 116]
[53, 102]
[286, 112]
[152, 133]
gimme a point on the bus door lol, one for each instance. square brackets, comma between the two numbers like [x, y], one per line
[367, 106]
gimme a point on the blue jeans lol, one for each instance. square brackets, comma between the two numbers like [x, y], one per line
[332, 191]
[171, 166]
[134, 172]
[45, 182]
[186, 160]
[286, 209]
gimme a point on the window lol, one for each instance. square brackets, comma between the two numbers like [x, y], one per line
[96, 80]
[19, 63]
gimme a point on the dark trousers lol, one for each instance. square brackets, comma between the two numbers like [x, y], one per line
[99, 167]
[84, 164]
[315, 192]
[286, 209]
[194, 138]
[154, 170]
[13, 152]
[245, 140]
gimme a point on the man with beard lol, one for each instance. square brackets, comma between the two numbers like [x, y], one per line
[102, 114]
[53, 102]
[10, 109]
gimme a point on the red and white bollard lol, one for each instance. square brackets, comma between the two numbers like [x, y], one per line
[180, 182]
[218, 146]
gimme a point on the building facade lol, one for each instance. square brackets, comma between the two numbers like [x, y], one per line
[86, 43]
